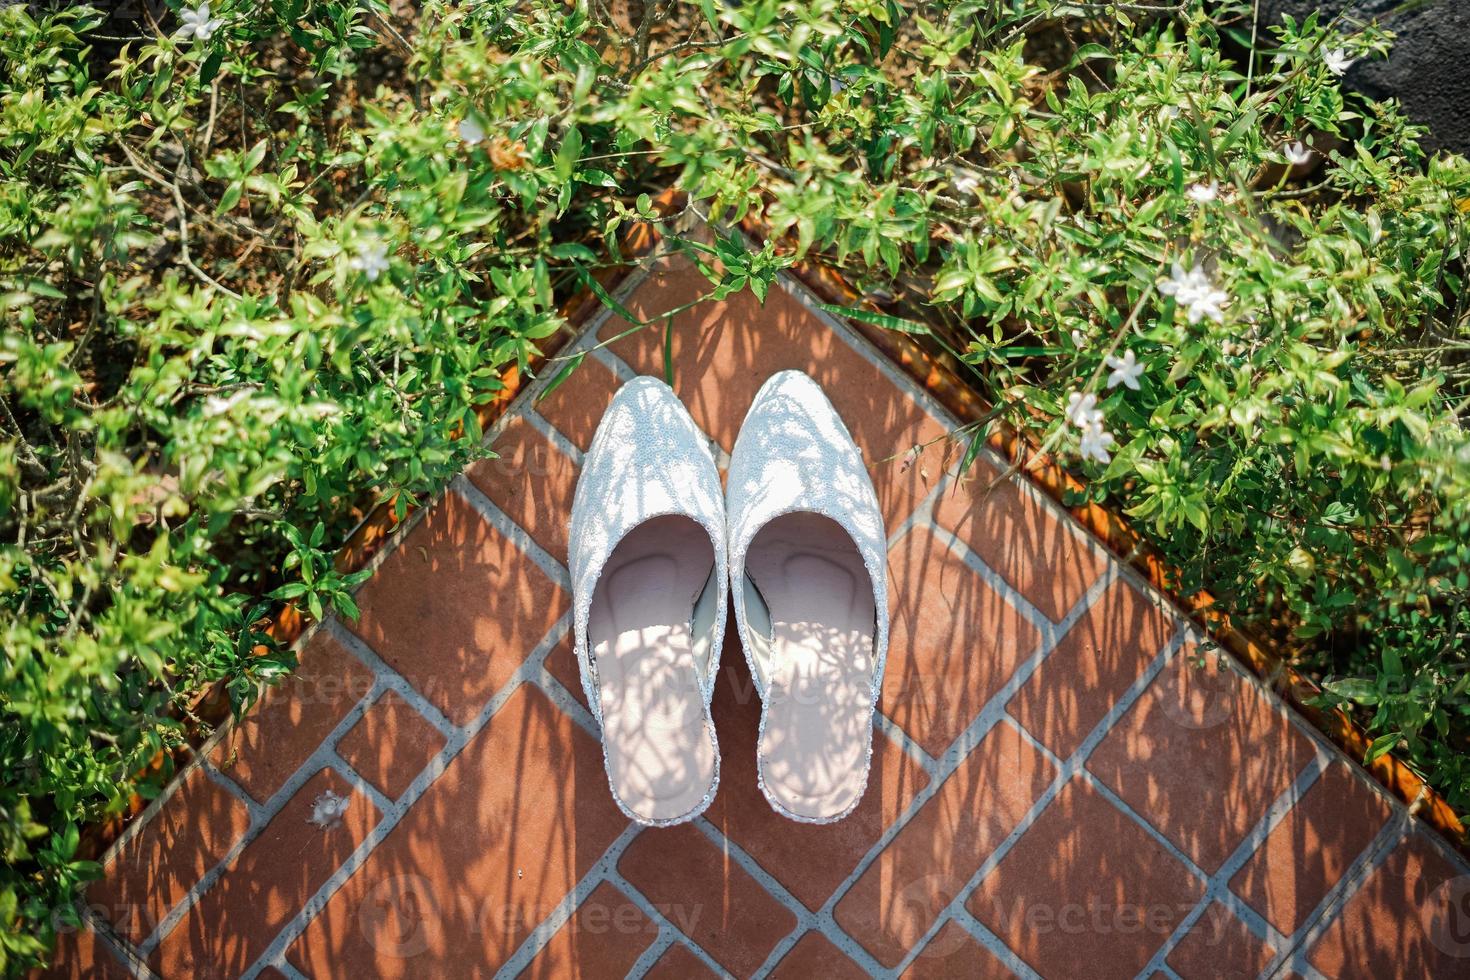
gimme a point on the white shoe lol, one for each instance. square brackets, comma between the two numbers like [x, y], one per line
[809, 574]
[647, 556]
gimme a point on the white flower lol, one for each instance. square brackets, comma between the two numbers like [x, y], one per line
[371, 260]
[1169, 113]
[218, 405]
[1126, 370]
[327, 810]
[1095, 442]
[1195, 291]
[1082, 410]
[1337, 61]
[1297, 153]
[1079, 339]
[966, 182]
[1204, 193]
[197, 23]
[470, 130]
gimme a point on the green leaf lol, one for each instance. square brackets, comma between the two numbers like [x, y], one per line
[876, 319]
[1381, 745]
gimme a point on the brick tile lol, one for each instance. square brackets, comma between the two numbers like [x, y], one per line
[954, 954]
[1202, 754]
[679, 964]
[456, 608]
[561, 663]
[814, 955]
[707, 896]
[1310, 850]
[292, 718]
[1409, 919]
[154, 870]
[390, 744]
[1090, 668]
[723, 352]
[269, 882]
[902, 892]
[489, 850]
[953, 642]
[1035, 547]
[575, 408]
[80, 955]
[811, 860]
[603, 938]
[1086, 891]
[532, 482]
[1220, 946]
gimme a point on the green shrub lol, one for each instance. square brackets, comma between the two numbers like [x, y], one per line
[257, 275]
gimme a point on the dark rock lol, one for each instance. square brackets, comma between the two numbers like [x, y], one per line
[1428, 70]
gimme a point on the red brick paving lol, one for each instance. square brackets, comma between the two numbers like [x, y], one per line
[1091, 668]
[531, 481]
[153, 871]
[953, 954]
[1029, 544]
[679, 964]
[80, 956]
[391, 744]
[456, 608]
[810, 860]
[942, 669]
[603, 938]
[266, 885]
[1312, 848]
[459, 880]
[1203, 753]
[1411, 918]
[1220, 947]
[575, 408]
[293, 717]
[929, 862]
[479, 860]
[815, 956]
[1085, 891]
[707, 895]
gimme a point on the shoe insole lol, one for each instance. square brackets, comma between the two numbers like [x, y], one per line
[655, 725]
[813, 752]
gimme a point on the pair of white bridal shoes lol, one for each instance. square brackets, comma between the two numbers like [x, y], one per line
[799, 539]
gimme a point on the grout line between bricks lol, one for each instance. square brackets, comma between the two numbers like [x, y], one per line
[1218, 885]
[552, 435]
[1065, 771]
[901, 738]
[988, 717]
[656, 949]
[1294, 959]
[457, 738]
[805, 918]
[120, 949]
[389, 678]
[355, 779]
[994, 944]
[616, 879]
[501, 521]
[538, 937]
[260, 817]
